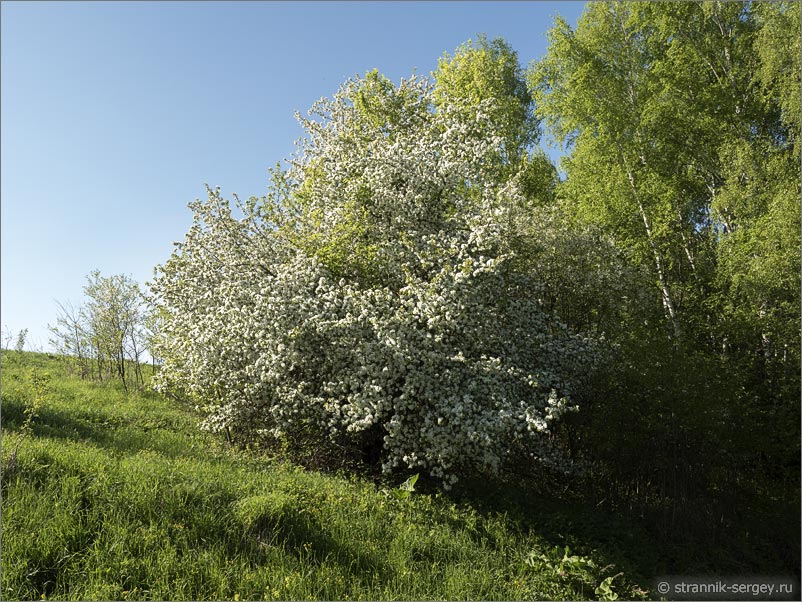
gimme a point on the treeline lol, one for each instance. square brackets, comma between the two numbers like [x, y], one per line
[109, 334]
[682, 124]
[422, 290]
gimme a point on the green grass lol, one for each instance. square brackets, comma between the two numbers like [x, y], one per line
[120, 496]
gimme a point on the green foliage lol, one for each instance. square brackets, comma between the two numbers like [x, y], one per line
[646, 96]
[40, 385]
[385, 107]
[579, 571]
[405, 489]
[484, 71]
[605, 590]
[409, 484]
[562, 561]
[778, 48]
[673, 152]
[682, 124]
[35, 389]
[20, 344]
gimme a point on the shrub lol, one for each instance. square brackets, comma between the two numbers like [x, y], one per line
[374, 297]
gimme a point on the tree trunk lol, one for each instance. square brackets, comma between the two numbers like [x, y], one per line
[668, 301]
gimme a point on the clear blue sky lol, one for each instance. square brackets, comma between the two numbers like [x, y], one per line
[115, 114]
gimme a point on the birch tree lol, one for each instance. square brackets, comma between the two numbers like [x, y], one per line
[642, 95]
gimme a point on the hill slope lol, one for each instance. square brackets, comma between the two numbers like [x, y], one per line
[115, 496]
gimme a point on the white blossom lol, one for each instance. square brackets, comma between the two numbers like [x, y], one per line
[378, 290]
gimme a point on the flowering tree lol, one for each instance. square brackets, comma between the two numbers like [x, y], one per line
[376, 295]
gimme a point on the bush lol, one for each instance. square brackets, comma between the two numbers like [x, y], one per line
[379, 301]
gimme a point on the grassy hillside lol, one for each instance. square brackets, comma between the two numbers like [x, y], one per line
[115, 496]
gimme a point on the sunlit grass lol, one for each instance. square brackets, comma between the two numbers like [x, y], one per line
[120, 496]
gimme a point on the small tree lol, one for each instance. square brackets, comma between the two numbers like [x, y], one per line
[8, 336]
[114, 313]
[108, 329]
[70, 336]
[152, 332]
[21, 336]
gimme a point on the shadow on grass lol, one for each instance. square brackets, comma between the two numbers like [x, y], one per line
[612, 539]
[113, 433]
[634, 543]
[49, 422]
[293, 530]
[302, 535]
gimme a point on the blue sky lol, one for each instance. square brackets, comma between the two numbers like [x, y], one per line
[115, 114]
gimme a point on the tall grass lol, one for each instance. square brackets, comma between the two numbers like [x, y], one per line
[119, 496]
